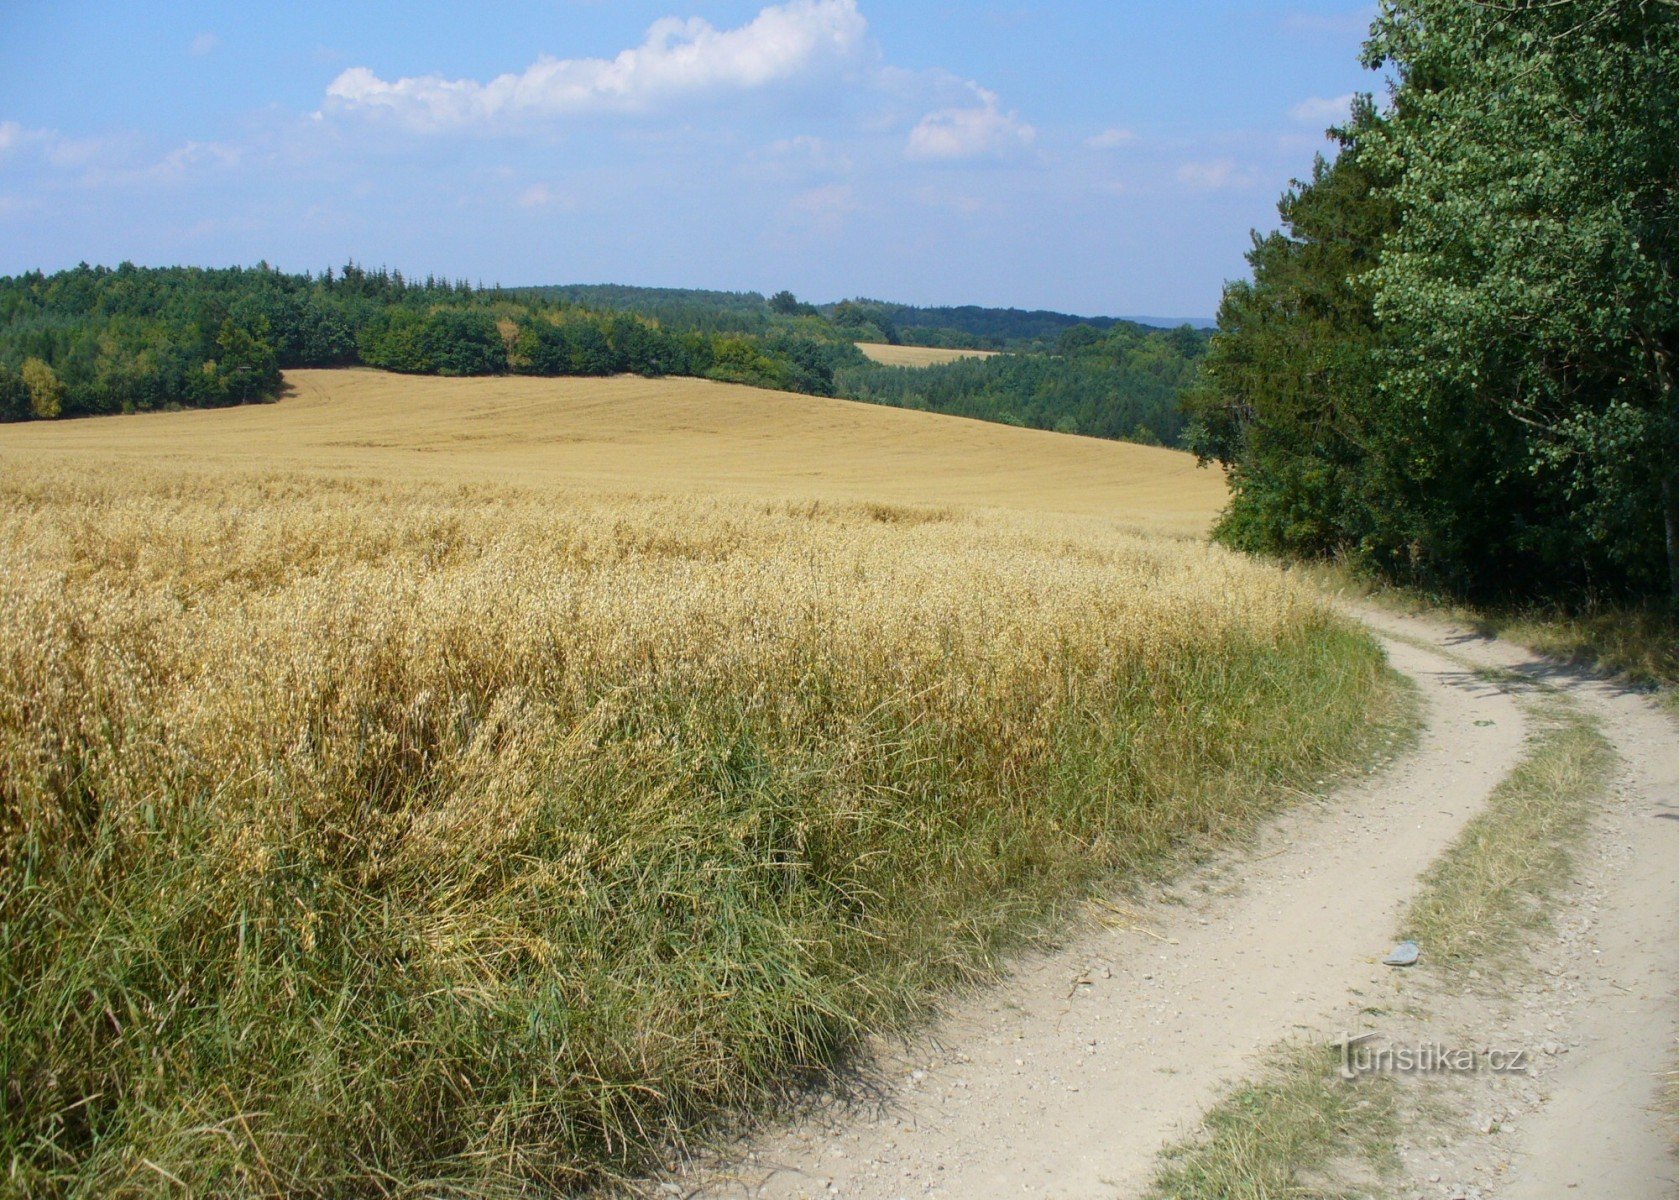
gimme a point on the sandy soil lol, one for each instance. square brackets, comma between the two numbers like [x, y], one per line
[1601, 1003]
[1068, 1078]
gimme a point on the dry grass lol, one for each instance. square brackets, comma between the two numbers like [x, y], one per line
[917, 356]
[1298, 1132]
[369, 831]
[1498, 880]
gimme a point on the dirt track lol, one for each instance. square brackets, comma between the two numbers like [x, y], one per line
[1068, 1078]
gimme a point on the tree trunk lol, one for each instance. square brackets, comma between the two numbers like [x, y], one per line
[1670, 514]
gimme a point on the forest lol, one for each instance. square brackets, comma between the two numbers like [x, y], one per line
[1454, 364]
[96, 340]
[1126, 383]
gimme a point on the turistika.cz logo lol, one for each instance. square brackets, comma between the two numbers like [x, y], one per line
[1362, 1055]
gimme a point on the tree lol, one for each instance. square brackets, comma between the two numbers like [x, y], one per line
[787, 304]
[46, 392]
[1535, 272]
[14, 396]
[1289, 380]
[1456, 362]
[247, 364]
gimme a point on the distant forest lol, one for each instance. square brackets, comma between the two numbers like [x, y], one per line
[966, 328]
[1125, 382]
[98, 340]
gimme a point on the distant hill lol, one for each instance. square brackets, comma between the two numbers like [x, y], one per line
[967, 326]
[1174, 322]
[97, 340]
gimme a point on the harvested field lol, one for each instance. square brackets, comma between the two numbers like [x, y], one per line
[917, 356]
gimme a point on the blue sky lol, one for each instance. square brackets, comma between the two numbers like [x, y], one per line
[1089, 157]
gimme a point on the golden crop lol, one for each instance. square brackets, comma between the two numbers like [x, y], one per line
[365, 824]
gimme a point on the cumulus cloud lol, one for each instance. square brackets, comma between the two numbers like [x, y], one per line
[971, 131]
[1111, 139]
[678, 59]
[1318, 110]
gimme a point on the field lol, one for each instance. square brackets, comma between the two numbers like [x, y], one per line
[427, 787]
[669, 436]
[916, 356]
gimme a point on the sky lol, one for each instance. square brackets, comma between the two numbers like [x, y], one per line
[1092, 157]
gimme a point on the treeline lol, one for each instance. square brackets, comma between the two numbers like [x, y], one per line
[1456, 363]
[97, 340]
[969, 327]
[1126, 382]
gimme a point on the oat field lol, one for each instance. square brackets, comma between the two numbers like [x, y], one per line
[426, 787]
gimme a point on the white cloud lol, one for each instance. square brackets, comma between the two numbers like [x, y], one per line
[679, 58]
[1216, 175]
[203, 44]
[1111, 139]
[14, 136]
[974, 131]
[1319, 110]
[57, 150]
[801, 157]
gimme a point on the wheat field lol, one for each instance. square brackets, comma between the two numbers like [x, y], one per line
[917, 356]
[665, 436]
[431, 787]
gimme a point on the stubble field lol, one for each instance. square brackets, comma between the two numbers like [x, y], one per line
[917, 356]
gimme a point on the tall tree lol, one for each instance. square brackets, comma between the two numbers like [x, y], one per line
[46, 391]
[1290, 378]
[1535, 270]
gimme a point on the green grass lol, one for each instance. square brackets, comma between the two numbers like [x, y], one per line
[1300, 1132]
[725, 946]
[1496, 881]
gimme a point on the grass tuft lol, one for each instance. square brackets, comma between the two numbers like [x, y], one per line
[1495, 882]
[1286, 1135]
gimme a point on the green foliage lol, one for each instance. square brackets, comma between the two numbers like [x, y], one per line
[786, 304]
[1124, 383]
[133, 340]
[14, 396]
[440, 342]
[1456, 364]
[46, 393]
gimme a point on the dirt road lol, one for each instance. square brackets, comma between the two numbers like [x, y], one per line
[1067, 1079]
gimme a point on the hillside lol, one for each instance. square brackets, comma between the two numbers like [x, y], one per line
[639, 435]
